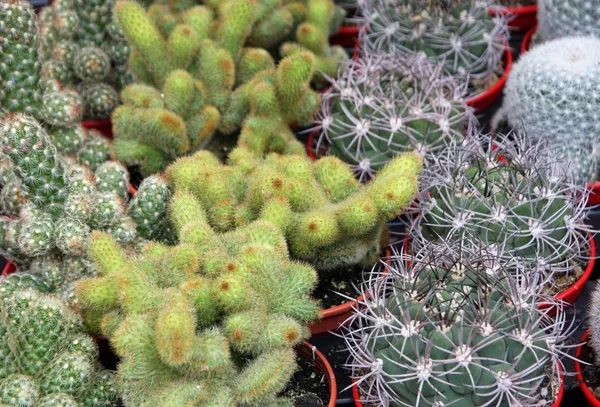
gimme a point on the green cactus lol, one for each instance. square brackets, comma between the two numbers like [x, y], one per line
[328, 218]
[99, 100]
[91, 64]
[47, 360]
[214, 318]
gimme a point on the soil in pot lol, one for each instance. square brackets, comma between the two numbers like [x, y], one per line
[308, 387]
[337, 286]
[590, 372]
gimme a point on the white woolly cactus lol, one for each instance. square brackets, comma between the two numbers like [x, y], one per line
[461, 33]
[440, 330]
[563, 18]
[554, 92]
[507, 194]
[380, 107]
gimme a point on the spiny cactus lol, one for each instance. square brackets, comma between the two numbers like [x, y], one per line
[567, 18]
[461, 33]
[561, 110]
[380, 107]
[507, 194]
[47, 360]
[60, 203]
[214, 318]
[440, 331]
[328, 218]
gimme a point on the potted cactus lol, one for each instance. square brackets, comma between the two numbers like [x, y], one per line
[537, 104]
[329, 220]
[461, 33]
[380, 107]
[587, 354]
[440, 329]
[512, 195]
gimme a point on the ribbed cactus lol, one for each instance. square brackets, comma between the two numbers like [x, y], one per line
[381, 106]
[563, 111]
[328, 218]
[47, 360]
[212, 319]
[568, 18]
[58, 204]
[440, 331]
[507, 193]
[460, 33]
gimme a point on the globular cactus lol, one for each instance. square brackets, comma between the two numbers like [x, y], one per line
[380, 107]
[47, 360]
[91, 64]
[561, 111]
[567, 18]
[99, 100]
[328, 218]
[460, 33]
[213, 318]
[507, 193]
[439, 330]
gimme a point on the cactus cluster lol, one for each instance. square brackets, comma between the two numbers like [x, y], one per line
[201, 73]
[211, 321]
[380, 106]
[509, 194]
[328, 218]
[81, 46]
[567, 18]
[460, 33]
[47, 360]
[53, 205]
[552, 93]
[440, 330]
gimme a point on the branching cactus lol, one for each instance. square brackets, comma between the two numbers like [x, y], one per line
[59, 204]
[563, 111]
[380, 107]
[443, 331]
[508, 195]
[213, 319]
[328, 218]
[47, 360]
[567, 18]
[461, 33]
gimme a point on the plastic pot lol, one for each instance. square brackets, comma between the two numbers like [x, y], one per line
[103, 126]
[522, 18]
[346, 36]
[591, 399]
[527, 39]
[559, 396]
[484, 100]
[594, 198]
[320, 363]
[335, 317]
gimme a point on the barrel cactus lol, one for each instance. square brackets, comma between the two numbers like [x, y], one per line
[568, 18]
[509, 194]
[380, 107]
[462, 33]
[564, 110]
[47, 360]
[446, 330]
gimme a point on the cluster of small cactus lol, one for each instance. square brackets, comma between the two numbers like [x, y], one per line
[381, 106]
[567, 18]
[552, 93]
[509, 194]
[211, 321]
[81, 46]
[445, 329]
[201, 73]
[53, 205]
[329, 219]
[47, 359]
[460, 33]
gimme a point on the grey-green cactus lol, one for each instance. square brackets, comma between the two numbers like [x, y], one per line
[568, 18]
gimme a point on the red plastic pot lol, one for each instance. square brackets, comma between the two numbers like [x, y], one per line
[103, 126]
[320, 363]
[484, 100]
[335, 317]
[346, 36]
[559, 396]
[527, 39]
[591, 399]
[523, 18]
[594, 198]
